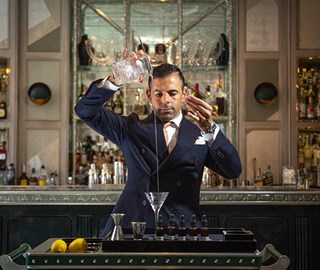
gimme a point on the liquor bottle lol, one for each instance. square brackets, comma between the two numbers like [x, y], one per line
[204, 230]
[118, 104]
[318, 105]
[11, 175]
[268, 177]
[302, 104]
[182, 233]
[220, 98]
[80, 176]
[92, 175]
[33, 181]
[300, 152]
[23, 179]
[311, 103]
[160, 229]
[3, 109]
[171, 229]
[84, 58]
[209, 98]
[307, 153]
[3, 156]
[196, 92]
[258, 182]
[104, 174]
[193, 232]
[42, 181]
[138, 106]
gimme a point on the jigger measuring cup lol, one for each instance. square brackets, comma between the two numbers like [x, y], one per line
[138, 228]
[117, 233]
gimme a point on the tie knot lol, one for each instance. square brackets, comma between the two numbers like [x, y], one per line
[165, 125]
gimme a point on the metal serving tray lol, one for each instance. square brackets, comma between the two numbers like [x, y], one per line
[226, 249]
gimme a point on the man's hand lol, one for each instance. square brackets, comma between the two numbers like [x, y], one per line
[200, 111]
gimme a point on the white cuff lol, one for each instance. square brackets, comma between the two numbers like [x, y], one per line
[210, 137]
[106, 84]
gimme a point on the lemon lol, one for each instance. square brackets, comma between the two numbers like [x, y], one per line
[59, 246]
[78, 245]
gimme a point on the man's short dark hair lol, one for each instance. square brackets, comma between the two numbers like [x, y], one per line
[165, 70]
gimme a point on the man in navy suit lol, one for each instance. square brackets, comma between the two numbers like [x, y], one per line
[180, 162]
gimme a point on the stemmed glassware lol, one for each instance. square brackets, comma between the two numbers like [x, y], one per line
[156, 200]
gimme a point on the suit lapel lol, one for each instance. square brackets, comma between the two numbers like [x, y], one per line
[188, 134]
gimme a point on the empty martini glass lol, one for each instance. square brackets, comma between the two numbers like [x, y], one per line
[156, 200]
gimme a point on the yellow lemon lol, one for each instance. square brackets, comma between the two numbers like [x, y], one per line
[59, 246]
[78, 245]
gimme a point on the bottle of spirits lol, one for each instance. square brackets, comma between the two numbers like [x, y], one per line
[138, 106]
[193, 232]
[80, 176]
[311, 104]
[33, 181]
[3, 109]
[220, 98]
[182, 232]
[42, 181]
[302, 104]
[3, 156]
[84, 58]
[11, 175]
[118, 104]
[23, 179]
[204, 230]
[92, 175]
[258, 182]
[160, 229]
[268, 177]
[171, 229]
[300, 152]
[307, 153]
[196, 92]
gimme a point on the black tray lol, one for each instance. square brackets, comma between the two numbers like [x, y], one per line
[220, 240]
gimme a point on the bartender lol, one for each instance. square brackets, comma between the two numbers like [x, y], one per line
[178, 158]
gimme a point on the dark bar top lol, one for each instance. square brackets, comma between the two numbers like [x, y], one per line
[109, 194]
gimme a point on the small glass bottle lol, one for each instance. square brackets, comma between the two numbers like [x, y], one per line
[160, 229]
[42, 181]
[23, 179]
[182, 233]
[204, 230]
[193, 233]
[11, 175]
[33, 181]
[171, 229]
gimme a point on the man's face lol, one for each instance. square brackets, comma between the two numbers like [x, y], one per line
[166, 95]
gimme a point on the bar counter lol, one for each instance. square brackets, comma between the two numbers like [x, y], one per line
[286, 217]
[108, 195]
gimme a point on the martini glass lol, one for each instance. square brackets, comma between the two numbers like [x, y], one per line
[156, 200]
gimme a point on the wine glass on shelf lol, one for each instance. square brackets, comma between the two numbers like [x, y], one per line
[156, 200]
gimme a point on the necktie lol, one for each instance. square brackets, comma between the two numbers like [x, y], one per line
[172, 139]
[165, 133]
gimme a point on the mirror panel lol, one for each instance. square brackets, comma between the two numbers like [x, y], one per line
[43, 148]
[262, 25]
[4, 24]
[267, 153]
[44, 25]
[308, 28]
